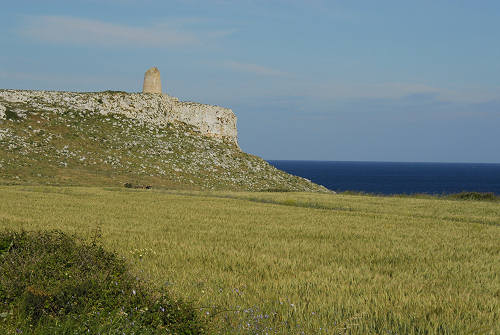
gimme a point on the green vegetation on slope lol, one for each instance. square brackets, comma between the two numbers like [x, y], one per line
[56, 146]
[52, 284]
[291, 262]
[464, 195]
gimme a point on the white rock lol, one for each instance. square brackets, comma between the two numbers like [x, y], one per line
[3, 110]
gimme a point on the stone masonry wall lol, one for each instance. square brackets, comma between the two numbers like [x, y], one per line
[157, 109]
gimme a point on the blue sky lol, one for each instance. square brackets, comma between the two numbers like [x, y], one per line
[320, 80]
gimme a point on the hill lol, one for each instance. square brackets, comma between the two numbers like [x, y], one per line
[117, 138]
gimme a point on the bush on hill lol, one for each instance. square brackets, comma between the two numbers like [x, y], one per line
[52, 283]
[474, 196]
[468, 196]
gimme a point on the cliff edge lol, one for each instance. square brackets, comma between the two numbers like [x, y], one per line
[154, 109]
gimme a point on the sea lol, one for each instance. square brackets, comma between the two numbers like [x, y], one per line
[397, 177]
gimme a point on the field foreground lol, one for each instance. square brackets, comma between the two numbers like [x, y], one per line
[293, 262]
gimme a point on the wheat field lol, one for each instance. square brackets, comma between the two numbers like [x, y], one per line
[293, 263]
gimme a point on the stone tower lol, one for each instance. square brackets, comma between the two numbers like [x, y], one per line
[152, 81]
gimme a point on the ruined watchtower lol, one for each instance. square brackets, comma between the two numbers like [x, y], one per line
[152, 81]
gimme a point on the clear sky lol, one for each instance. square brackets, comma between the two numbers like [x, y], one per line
[307, 79]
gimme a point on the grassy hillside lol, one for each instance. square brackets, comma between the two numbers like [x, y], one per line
[292, 262]
[53, 145]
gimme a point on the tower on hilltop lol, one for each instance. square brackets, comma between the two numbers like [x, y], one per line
[152, 81]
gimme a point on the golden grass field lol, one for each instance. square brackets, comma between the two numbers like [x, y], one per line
[293, 262]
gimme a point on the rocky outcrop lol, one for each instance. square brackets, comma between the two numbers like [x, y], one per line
[157, 109]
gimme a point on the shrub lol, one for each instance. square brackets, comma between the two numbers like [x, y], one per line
[279, 190]
[52, 283]
[11, 115]
[474, 196]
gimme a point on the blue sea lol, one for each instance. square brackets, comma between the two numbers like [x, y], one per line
[397, 178]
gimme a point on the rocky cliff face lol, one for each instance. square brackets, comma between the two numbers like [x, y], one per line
[155, 109]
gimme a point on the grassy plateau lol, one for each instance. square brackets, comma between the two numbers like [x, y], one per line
[291, 263]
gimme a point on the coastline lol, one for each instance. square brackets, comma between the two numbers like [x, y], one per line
[398, 178]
